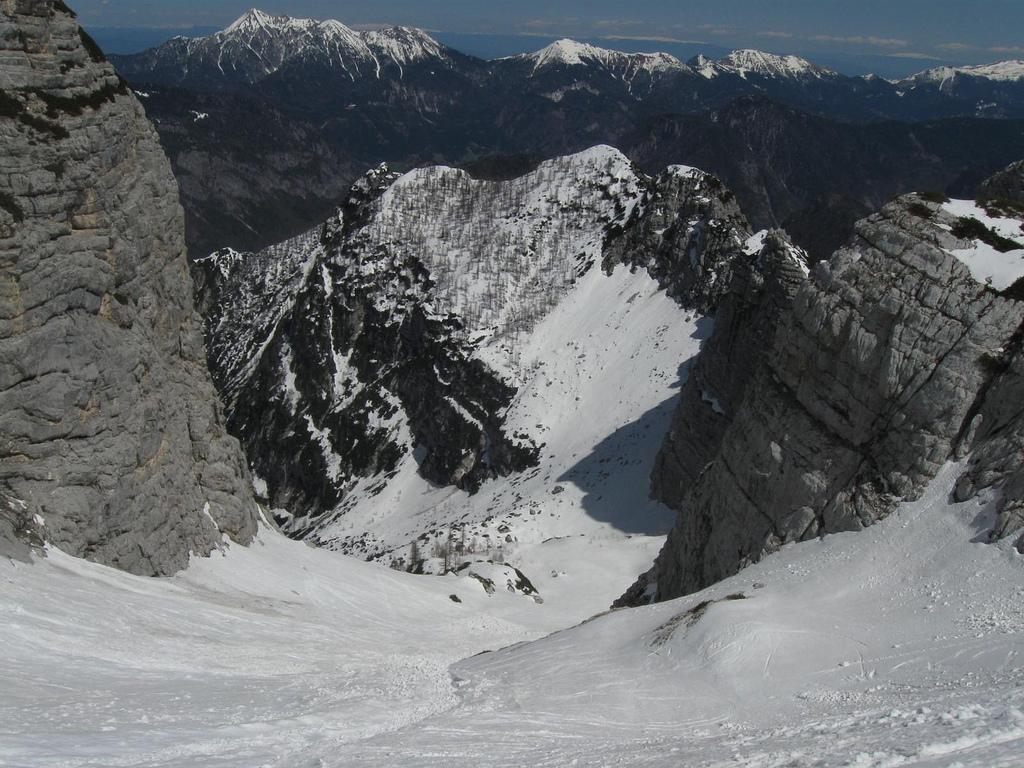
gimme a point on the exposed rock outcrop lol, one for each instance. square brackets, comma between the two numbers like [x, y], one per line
[890, 360]
[689, 233]
[112, 442]
[745, 324]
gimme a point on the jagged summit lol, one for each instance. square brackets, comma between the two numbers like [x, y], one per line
[252, 20]
[404, 45]
[258, 45]
[401, 43]
[410, 345]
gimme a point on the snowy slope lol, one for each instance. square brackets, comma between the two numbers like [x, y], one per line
[897, 646]
[502, 253]
[742, 63]
[248, 658]
[999, 263]
[597, 381]
[571, 53]
[550, 334]
[278, 271]
[752, 62]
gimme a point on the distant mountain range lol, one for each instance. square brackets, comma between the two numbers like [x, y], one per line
[279, 50]
[397, 95]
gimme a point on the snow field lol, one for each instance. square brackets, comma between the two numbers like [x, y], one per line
[989, 266]
[897, 646]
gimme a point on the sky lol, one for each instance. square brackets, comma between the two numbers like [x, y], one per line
[925, 32]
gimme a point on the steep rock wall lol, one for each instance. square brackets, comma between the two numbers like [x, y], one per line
[877, 370]
[112, 442]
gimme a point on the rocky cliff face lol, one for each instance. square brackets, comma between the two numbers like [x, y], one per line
[112, 444]
[1007, 186]
[848, 392]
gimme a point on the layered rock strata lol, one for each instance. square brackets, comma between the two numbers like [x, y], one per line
[833, 400]
[112, 441]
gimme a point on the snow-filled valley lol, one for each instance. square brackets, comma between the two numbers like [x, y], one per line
[897, 646]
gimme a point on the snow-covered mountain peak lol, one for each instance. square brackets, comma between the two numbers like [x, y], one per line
[403, 332]
[250, 21]
[1001, 71]
[568, 52]
[750, 61]
[526, 235]
[258, 44]
[685, 171]
[602, 154]
[256, 21]
[275, 40]
[703, 66]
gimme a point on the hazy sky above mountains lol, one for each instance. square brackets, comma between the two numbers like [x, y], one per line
[923, 30]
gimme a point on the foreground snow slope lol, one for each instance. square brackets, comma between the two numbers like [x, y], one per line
[245, 659]
[897, 646]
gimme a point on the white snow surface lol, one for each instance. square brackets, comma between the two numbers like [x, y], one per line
[755, 242]
[745, 62]
[248, 658]
[988, 265]
[748, 61]
[897, 646]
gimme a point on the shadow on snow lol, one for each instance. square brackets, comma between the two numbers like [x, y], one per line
[616, 475]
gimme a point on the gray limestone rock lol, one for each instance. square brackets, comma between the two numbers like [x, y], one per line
[745, 324]
[874, 372]
[995, 437]
[112, 442]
